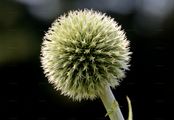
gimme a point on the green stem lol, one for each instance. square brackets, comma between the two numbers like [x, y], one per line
[111, 104]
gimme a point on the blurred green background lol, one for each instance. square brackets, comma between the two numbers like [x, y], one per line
[26, 94]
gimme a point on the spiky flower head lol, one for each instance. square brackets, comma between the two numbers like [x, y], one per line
[83, 52]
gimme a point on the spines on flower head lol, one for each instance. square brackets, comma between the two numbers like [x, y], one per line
[83, 52]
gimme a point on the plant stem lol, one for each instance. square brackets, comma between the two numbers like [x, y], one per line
[111, 105]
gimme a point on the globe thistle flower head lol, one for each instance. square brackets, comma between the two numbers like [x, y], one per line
[83, 52]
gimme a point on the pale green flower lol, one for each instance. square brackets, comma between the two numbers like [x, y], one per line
[83, 52]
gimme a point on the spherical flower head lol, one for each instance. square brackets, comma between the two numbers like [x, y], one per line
[83, 52]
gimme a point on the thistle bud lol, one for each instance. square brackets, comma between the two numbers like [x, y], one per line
[83, 52]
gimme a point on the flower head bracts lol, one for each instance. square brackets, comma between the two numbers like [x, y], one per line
[83, 52]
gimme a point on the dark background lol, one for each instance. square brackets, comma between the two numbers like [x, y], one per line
[26, 93]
